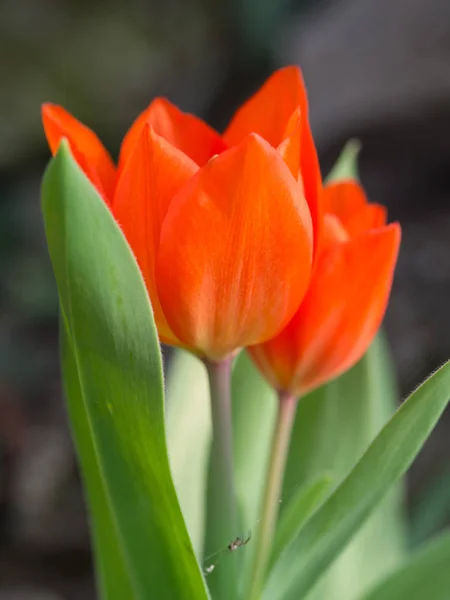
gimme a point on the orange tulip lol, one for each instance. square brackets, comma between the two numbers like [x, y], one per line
[223, 228]
[346, 300]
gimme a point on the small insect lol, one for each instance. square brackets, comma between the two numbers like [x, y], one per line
[232, 547]
[239, 542]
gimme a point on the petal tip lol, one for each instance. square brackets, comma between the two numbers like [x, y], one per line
[394, 231]
[396, 235]
[292, 70]
[46, 108]
[256, 144]
[48, 114]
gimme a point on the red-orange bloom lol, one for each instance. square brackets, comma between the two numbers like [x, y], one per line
[346, 300]
[222, 227]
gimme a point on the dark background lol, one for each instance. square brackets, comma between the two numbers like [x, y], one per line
[375, 69]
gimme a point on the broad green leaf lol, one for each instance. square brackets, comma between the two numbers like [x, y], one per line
[334, 426]
[304, 502]
[189, 438]
[254, 413]
[112, 366]
[113, 578]
[431, 510]
[346, 166]
[425, 576]
[386, 460]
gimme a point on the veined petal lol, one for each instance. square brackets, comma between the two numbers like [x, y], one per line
[186, 132]
[154, 173]
[235, 251]
[339, 316]
[87, 149]
[268, 113]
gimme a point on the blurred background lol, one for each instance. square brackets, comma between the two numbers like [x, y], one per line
[375, 69]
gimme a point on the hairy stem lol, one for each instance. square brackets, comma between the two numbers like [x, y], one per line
[221, 526]
[268, 515]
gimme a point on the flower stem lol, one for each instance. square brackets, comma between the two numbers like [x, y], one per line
[287, 406]
[221, 526]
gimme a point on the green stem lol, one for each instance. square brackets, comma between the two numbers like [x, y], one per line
[221, 526]
[287, 406]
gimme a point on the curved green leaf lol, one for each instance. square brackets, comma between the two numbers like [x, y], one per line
[425, 576]
[333, 427]
[189, 438]
[431, 510]
[113, 578]
[116, 407]
[304, 502]
[333, 525]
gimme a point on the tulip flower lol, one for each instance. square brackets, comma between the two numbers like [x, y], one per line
[224, 228]
[346, 299]
[331, 330]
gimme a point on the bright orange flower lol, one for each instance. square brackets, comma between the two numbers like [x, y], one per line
[346, 299]
[222, 227]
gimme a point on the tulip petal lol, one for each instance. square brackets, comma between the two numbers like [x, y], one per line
[333, 232]
[372, 216]
[87, 149]
[235, 251]
[339, 316]
[186, 132]
[347, 201]
[312, 181]
[268, 113]
[269, 110]
[290, 146]
[151, 177]
[343, 198]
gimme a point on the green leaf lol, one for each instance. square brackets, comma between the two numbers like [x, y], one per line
[113, 578]
[299, 509]
[346, 166]
[189, 438]
[254, 413]
[340, 419]
[112, 366]
[337, 422]
[431, 510]
[425, 575]
[333, 427]
[387, 458]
